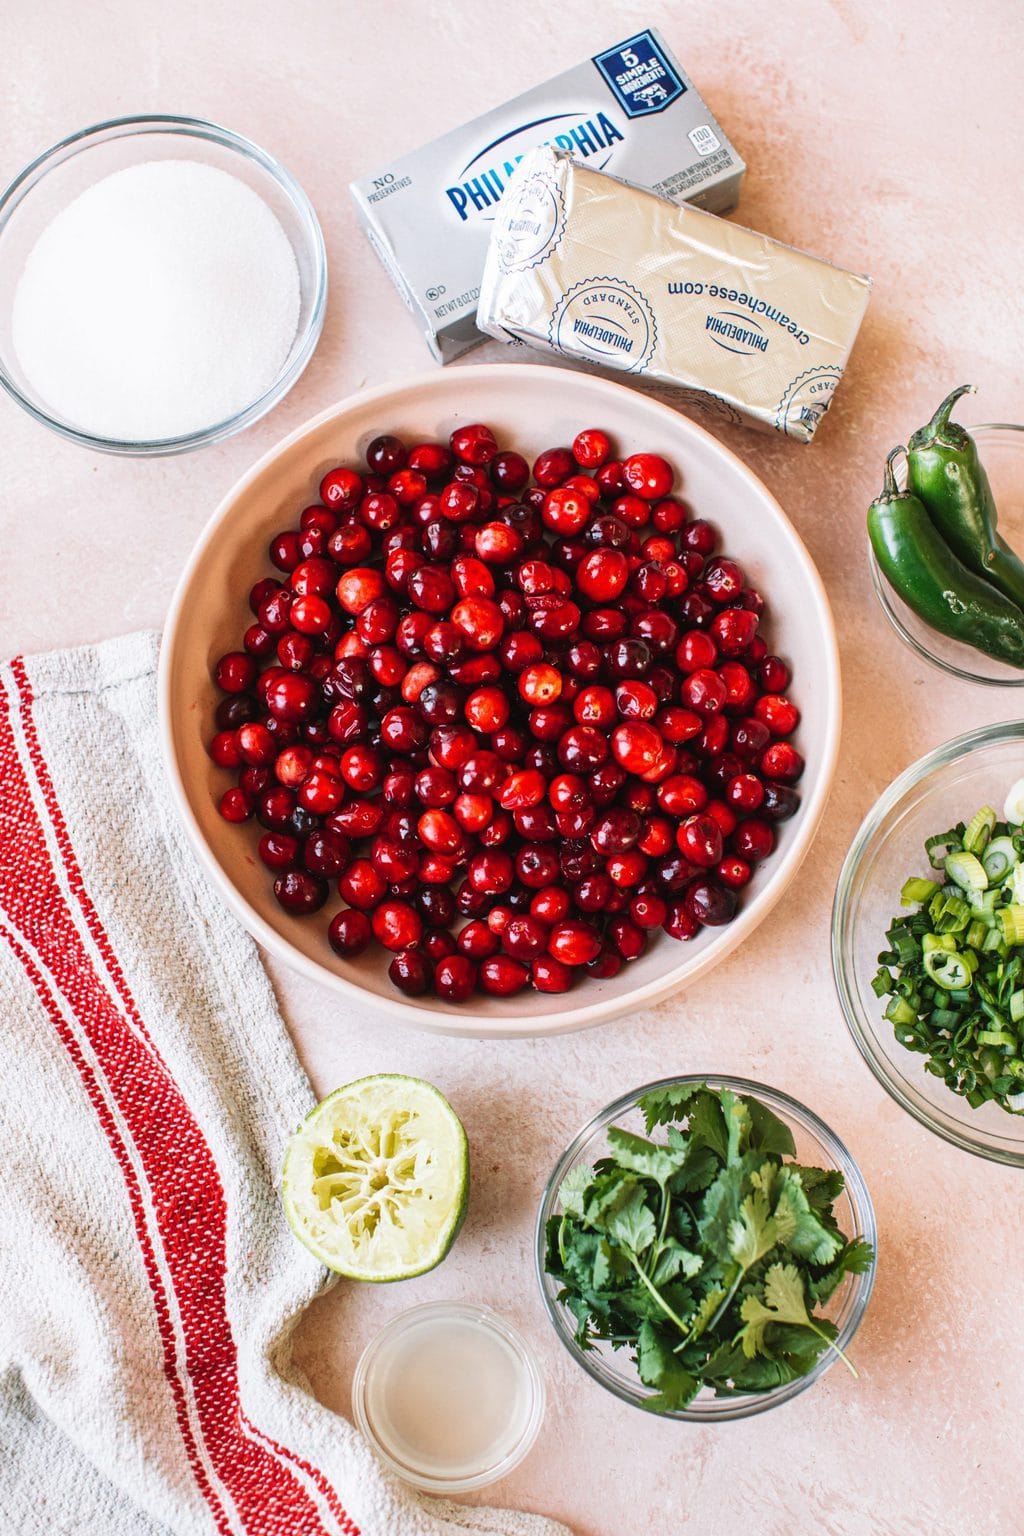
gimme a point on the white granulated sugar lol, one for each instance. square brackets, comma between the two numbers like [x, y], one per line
[162, 301]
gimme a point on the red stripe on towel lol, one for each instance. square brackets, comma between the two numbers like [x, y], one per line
[184, 1186]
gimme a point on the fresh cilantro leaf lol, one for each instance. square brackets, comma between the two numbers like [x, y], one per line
[809, 1239]
[762, 1374]
[658, 1367]
[663, 1105]
[645, 1157]
[822, 1186]
[783, 1303]
[706, 1310]
[606, 1194]
[854, 1259]
[707, 1127]
[697, 1170]
[768, 1134]
[633, 1224]
[721, 1207]
[674, 1260]
[737, 1124]
[756, 1229]
[573, 1188]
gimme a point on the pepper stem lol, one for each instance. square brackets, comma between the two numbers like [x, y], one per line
[890, 488]
[940, 421]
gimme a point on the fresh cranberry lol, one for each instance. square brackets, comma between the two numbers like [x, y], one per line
[733, 630]
[510, 472]
[349, 932]
[236, 672]
[591, 448]
[454, 978]
[734, 872]
[341, 489]
[700, 840]
[783, 762]
[411, 972]
[574, 943]
[636, 747]
[235, 805]
[682, 795]
[553, 466]
[773, 675]
[292, 697]
[396, 925]
[648, 475]
[779, 714]
[753, 840]
[648, 910]
[430, 459]
[749, 739]
[224, 749]
[279, 850]
[704, 692]
[362, 886]
[300, 892]
[502, 976]
[780, 802]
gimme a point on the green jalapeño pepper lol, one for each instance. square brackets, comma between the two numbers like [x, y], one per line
[943, 468]
[920, 566]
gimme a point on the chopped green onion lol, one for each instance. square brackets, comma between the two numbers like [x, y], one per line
[917, 891]
[948, 971]
[979, 829]
[995, 1037]
[966, 871]
[999, 858]
[975, 935]
[1011, 919]
[947, 842]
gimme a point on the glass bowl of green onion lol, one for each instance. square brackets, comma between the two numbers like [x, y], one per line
[1001, 448]
[705, 1249]
[928, 941]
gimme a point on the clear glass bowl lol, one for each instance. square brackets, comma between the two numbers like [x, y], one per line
[1001, 447]
[936, 792]
[58, 176]
[420, 1368]
[815, 1145]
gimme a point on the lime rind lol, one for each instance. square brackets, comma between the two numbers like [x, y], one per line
[376, 1178]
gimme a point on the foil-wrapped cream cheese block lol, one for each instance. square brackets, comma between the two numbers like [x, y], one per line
[630, 109]
[603, 272]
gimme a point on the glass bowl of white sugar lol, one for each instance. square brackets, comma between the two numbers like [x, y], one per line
[163, 283]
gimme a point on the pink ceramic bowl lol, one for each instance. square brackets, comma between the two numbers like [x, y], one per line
[530, 407]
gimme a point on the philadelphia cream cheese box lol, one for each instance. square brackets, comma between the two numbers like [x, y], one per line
[629, 110]
[742, 327]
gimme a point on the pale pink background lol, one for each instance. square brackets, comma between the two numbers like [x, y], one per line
[887, 139]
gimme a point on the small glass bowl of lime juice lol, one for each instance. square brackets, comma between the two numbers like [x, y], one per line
[449, 1395]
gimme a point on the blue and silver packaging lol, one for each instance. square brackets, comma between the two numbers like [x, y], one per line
[736, 326]
[629, 110]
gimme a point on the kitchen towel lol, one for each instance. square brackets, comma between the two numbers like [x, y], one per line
[148, 1282]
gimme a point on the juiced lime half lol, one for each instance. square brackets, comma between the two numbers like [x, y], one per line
[376, 1179]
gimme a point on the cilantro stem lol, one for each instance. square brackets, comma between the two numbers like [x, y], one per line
[658, 1297]
[833, 1345]
[659, 1242]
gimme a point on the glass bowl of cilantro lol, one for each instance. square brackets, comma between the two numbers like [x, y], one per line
[928, 942]
[705, 1248]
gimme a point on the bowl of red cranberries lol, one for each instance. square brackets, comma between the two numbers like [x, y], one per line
[503, 701]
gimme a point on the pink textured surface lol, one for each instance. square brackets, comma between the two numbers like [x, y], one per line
[883, 143]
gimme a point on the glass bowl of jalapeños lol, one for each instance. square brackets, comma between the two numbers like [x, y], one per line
[934, 794]
[1000, 448]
